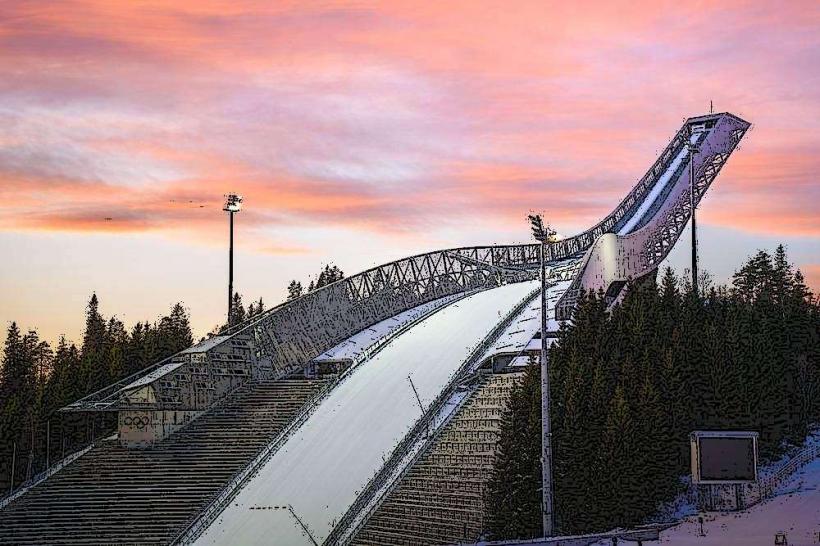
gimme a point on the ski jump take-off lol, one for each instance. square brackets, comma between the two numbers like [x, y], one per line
[300, 426]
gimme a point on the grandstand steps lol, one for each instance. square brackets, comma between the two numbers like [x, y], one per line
[441, 499]
[115, 495]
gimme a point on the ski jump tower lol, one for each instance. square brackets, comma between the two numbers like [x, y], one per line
[336, 459]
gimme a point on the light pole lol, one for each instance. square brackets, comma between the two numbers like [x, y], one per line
[543, 234]
[693, 149]
[233, 204]
[304, 527]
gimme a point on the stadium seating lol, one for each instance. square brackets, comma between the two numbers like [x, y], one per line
[114, 495]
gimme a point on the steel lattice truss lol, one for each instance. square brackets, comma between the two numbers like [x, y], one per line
[661, 241]
[652, 242]
[285, 338]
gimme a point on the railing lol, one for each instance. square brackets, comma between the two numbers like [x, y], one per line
[570, 298]
[767, 486]
[501, 259]
[92, 402]
[200, 522]
[48, 472]
[422, 433]
[297, 331]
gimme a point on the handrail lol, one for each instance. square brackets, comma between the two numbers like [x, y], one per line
[200, 522]
[401, 282]
[48, 472]
[367, 501]
[767, 486]
[114, 387]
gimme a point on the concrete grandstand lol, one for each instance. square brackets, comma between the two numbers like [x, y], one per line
[302, 426]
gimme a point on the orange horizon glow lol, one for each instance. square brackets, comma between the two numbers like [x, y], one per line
[407, 125]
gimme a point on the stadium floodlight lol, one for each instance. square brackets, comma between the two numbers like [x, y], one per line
[233, 204]
[544, 235]
[541, 232]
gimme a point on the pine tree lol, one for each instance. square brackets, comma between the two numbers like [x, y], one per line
[295, 289]
[19, 398]
[330, 274]
[116, 343]
[629, 385]
[93, 368]
[173, 332]
[514, 488]
[256, 308]
[238, 313]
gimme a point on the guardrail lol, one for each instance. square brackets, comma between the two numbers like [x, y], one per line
[48, 472]
[374, 294]
[378, 487]
[200, 522]
[767, 486]
[92, 402]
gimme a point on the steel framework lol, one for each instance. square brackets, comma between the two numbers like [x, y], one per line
[285, 338]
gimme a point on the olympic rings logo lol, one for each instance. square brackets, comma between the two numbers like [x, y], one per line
[139, 422]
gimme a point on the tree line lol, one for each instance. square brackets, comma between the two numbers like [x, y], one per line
[327, 275]
[36, 380]
[630, 383]
[330, 273]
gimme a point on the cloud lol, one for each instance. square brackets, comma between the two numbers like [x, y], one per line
[398, 118]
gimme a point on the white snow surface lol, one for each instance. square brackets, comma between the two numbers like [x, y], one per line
[649, 200]
[520, 333]
[153, 376]
[355, 344]
[795, 510]
[325, 464]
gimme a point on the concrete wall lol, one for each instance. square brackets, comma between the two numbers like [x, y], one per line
[145, 428]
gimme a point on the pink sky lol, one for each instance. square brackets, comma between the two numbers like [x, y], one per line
[362, 132]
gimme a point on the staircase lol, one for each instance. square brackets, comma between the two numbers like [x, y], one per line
[441, 499]
[114, 495]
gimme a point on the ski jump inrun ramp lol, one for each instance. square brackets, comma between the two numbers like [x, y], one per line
[399, 348]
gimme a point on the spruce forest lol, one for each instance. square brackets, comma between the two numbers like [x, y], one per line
[36, 381]
[628, 385]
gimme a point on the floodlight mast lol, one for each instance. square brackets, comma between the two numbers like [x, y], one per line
[544, 235]
[233, 204]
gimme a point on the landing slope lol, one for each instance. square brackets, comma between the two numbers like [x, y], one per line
[324, 465]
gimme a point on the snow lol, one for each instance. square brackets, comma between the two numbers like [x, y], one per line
[356, 344]
[520, 332]
[649, 200]
[153, 376]
[325, 464]
[205, 345]
[795, 510]
[812, 440]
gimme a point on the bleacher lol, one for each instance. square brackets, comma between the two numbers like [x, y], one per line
[114, 495]
[441, 499]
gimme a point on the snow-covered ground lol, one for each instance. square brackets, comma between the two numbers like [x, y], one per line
[522, 329]
[329, 460]
[353, 346]
[795, 511]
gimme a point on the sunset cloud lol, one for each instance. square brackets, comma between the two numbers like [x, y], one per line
[370, 115]
[423, 122]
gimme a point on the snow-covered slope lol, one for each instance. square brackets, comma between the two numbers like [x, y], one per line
[324, 465]
[795, 510]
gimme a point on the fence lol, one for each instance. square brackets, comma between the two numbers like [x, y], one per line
[767, 486]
